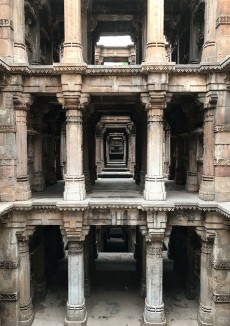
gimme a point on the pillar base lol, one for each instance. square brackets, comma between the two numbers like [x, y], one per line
[207, 188]
[76, 315]
[154, 316]
[23, 191]
[26, 315]
[74, 188]
[154, 188]
[204, 317]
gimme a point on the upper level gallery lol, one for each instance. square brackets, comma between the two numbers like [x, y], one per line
[44, 32]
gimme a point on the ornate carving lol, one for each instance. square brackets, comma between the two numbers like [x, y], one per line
[221, 264]
[222, 161]
[221, 298]
[8, 162]
[6, 23]
[223, 20]
[9, 296]
[75, 248]
[154, 248]
[7, 128]
[10, 264]
[222, 128]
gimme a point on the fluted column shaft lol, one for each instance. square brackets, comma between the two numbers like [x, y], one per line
[76, 311]
[74, 179]
[222, 28]
[207, 187]
[154, 180]
[155, 49]
[20, 54]
[26, 315]
[205, 309]
[23, 185]
[192, 175]
[38, 178]
[72, 24]
[154, 306]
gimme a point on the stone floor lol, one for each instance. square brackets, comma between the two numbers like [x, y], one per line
[115, 298]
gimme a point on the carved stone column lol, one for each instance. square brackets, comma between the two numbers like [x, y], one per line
[143, 153]
[209, 48]
[167, 152]
[72, 24]
[180, 170]
[155, 49]
[98, 150]
[76, 312]
[87, 287]
[86, 151]
[63, 151]
[20, 54]
[102, 150]
[207, 187]
[143, 268]
[6, 31]
[38, 177]
[222, 26]
[154, 180]
[192, 175]
[26, 315]
[154, 306]
[22, 104]
[205, 315]
[74, 179]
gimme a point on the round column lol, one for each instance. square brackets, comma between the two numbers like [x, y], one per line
[154, 306]
[154, 180]
[76, 312]
[72, 24]
[26, 315]
[20, 54]
[74, 179]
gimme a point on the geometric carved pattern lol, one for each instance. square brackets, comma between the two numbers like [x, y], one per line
[7, 162]
[222, 264]
[10, 264]
[9, 296]
[223, 20]
[7, 128]
[75, 248]
[222, 128]
[222, 161]
[6, 23]
[221, 298]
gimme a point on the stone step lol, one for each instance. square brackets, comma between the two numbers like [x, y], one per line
[115, 175]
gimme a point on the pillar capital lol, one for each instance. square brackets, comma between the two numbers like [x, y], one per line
[22, 101]
[75, 247]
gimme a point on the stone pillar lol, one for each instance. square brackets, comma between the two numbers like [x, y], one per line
[74, 179]
[143, 268]
[155, 49]
[102, 150]
[143, 153]
[86, 151]
[209, 47]
[26, 315]
[22, 105]
[154, 180]
[222, 29]
[180, 171]
[205, 315]
[51, 177]
[87, 287]
[6, 31]
[76, 312]
[207, 187]
[98, 150]
[38, 177]
[167, 152]
[72, 24]
[192, 175]
[221, 275]
[63, 151]
[20, 54]
[9, 277]
[154, 306]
